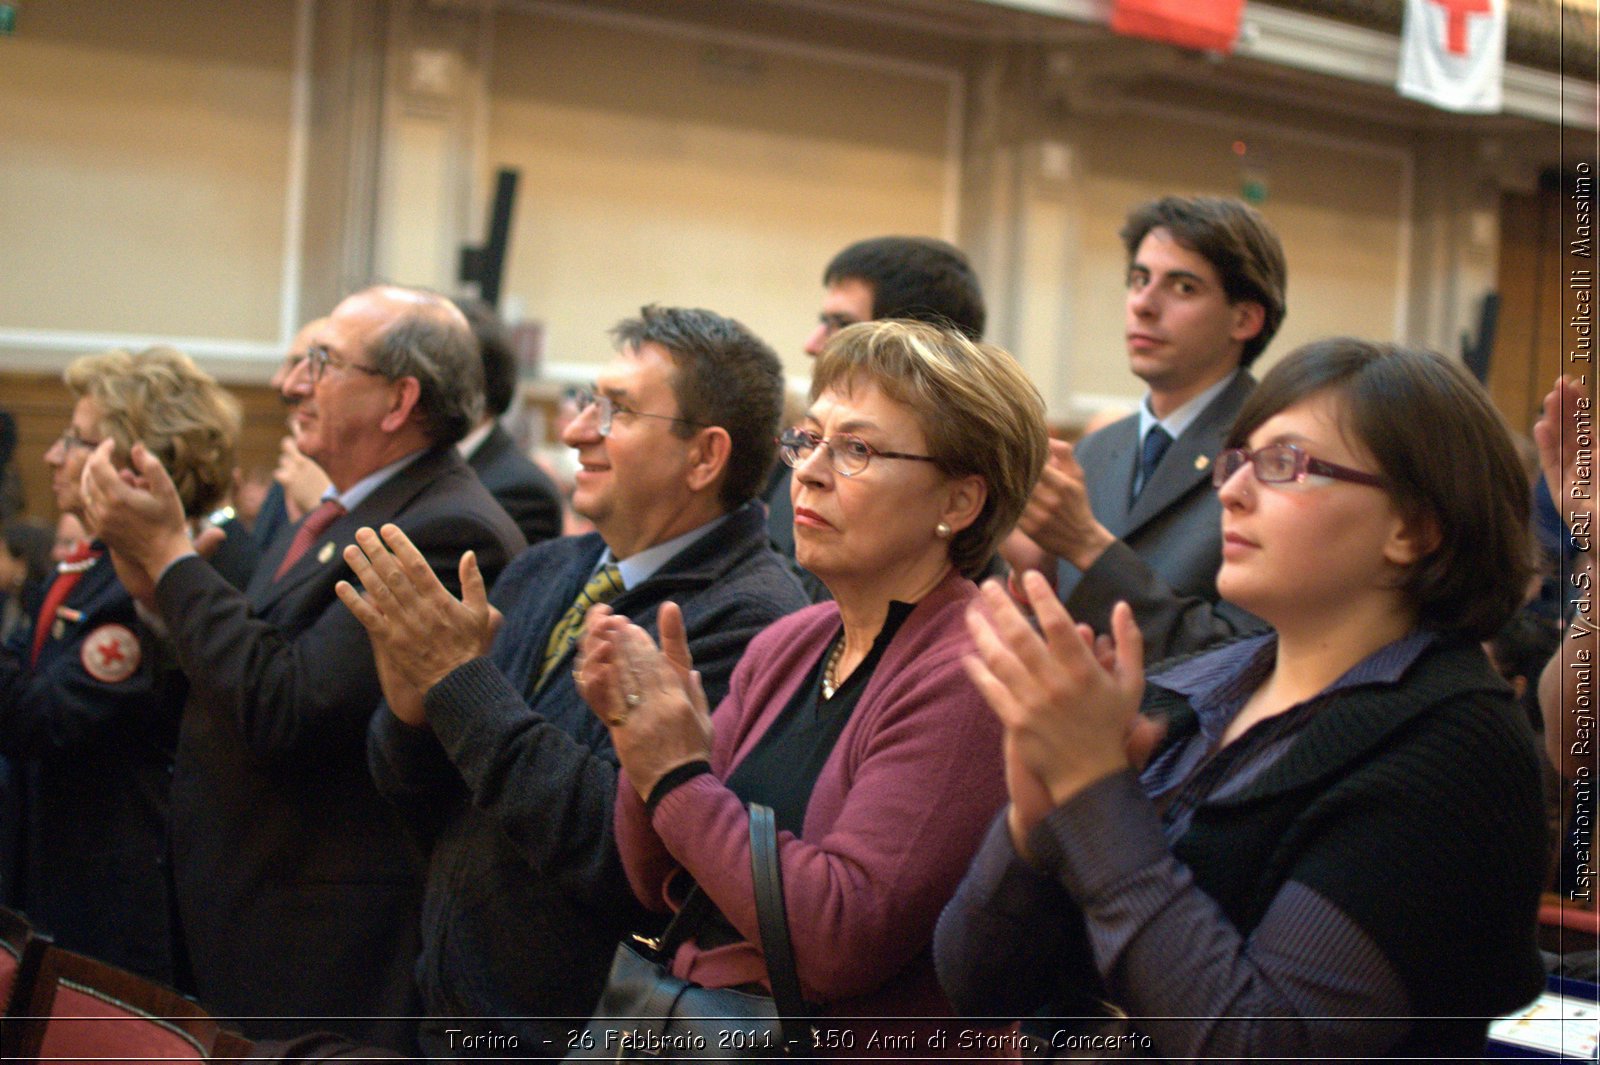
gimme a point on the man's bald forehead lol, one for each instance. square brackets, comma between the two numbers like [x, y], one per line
[400, 303]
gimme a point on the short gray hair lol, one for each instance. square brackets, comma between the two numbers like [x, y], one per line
[433, 343]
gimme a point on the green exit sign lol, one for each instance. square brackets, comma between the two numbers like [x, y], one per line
[8, 19]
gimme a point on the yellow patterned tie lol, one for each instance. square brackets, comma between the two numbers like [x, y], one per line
[602, 588]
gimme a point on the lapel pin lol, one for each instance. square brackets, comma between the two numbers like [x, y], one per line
[1201, 462]
[326, 553]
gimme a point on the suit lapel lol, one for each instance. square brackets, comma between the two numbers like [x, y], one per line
[1187, 464]
[1110, 475]
[387, 500]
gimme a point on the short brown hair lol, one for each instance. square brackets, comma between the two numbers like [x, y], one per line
[724, 375]
[1236, 240]
[1446, 456]
[161, 399]
[977, 407]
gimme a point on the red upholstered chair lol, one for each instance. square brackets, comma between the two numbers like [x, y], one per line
[80, 1009]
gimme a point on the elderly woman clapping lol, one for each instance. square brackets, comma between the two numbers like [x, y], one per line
[90, 702]
[853, 719]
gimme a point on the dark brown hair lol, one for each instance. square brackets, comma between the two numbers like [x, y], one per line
[724, 375]
[918, 278]
[1447, 457]
[1238, 243]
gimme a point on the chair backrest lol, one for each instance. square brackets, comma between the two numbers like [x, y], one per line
[15, 936]
[81, 1009]
[1566, 926]
[21, 950]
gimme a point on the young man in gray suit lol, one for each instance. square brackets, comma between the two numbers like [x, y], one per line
[1130, 514]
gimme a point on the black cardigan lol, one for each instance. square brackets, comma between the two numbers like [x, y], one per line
[1454, 912]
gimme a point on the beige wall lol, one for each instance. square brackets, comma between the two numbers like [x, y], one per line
[143, 168]
[663, 168]
[682, 151]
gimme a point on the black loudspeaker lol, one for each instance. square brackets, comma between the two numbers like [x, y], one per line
[486, 265]
[1476, 351]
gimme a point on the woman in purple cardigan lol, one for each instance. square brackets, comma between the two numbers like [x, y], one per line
[852, 719]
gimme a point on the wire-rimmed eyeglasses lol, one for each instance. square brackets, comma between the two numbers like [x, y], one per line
[70, 439]
[608, 408]
[1282, 463]
[319, 358]
[847, 454]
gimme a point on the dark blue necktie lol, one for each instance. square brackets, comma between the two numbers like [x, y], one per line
[1156, 442]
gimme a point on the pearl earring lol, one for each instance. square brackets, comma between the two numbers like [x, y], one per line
[942, 530]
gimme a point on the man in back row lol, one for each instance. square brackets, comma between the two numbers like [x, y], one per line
[487, 744]
[1130, 513]
[297, 885]
[527, 492]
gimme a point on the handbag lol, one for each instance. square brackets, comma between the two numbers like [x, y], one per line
[645, 1011]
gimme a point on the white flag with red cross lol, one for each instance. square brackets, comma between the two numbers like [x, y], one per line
[1453, 53]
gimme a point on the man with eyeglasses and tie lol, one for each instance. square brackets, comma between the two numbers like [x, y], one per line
[297, 885]
[487, 743]
[1130, 514]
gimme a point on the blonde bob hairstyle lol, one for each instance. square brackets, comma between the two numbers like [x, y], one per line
[161, 399]
[977, 408]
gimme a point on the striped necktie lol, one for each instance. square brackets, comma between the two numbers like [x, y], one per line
[603, 587]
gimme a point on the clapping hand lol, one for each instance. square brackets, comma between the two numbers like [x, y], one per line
[138, 514]
[420, 632]
[1057, 517]
[1069, 702]
[1566, 419]
[650, 698]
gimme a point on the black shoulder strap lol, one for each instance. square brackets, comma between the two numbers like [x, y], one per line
[774, 925]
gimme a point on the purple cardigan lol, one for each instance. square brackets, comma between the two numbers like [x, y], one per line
[896, 816]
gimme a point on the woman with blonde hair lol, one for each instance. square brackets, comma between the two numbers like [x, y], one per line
[851, 719]
[90, 700]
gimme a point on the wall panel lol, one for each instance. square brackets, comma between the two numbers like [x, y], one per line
[144, 165]
[673, 169]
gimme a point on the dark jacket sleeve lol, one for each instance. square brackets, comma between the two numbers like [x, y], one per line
[1171, 623]
[314, 690]
[1009, 938]
[411, 770]
[552, 786]
[62, 705]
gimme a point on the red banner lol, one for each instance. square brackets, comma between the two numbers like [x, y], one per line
[1209, 25]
